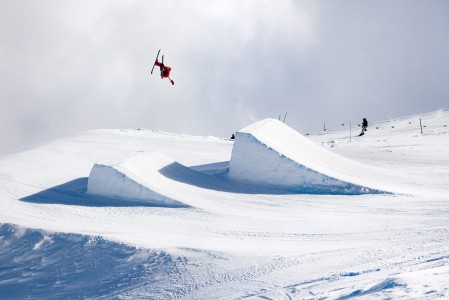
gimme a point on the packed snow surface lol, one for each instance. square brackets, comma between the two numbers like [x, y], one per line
[145, 214]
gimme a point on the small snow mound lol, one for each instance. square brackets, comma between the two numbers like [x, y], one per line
[131, 179]
[379, 288]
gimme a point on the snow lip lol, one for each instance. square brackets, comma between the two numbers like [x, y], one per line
[252, 128]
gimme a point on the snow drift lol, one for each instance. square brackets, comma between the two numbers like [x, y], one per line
[271, 153]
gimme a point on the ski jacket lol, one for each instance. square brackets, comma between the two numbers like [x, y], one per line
[165, 70]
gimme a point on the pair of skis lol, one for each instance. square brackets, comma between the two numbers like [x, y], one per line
[165, 71]
[157, 56]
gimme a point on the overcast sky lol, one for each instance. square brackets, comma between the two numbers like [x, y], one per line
[70, 66]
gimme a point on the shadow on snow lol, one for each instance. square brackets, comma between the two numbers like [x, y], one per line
[214, 177]
[75, 193]
[209, 176]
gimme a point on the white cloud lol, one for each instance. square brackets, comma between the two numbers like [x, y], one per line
[74, 65]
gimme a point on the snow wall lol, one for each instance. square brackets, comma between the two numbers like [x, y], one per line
[271, 153]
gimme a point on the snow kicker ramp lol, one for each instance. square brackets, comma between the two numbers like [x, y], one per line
[136, 178]
[271, 153]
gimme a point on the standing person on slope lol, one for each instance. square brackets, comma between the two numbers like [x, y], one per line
[364, 125]
[165, 71]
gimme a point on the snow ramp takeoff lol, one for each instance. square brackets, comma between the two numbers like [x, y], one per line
[271, 153]
[137, 178]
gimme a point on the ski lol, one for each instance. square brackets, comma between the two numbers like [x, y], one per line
[157, 56]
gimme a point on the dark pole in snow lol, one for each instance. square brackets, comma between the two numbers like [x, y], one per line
[420, 124]
[285, 117]
[350, 132]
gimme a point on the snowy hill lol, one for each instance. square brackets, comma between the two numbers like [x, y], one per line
[147, 214]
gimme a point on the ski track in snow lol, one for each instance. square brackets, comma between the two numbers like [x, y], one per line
[225, 244]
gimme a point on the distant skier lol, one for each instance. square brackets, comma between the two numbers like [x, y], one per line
[364, 125]
[165, 71]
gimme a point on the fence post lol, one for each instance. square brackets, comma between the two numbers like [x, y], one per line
[350, 131]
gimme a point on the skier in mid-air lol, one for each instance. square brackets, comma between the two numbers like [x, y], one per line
[165, 71]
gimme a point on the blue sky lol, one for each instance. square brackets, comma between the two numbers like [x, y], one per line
[70, 66]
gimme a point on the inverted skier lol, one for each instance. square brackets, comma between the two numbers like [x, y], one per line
[165, 71]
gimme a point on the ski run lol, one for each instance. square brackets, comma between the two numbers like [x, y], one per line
[143, 214]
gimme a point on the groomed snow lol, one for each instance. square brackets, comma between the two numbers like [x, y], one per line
[225, 239]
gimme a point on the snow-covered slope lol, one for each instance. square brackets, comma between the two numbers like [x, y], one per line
[46, 265]
[222, 238]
